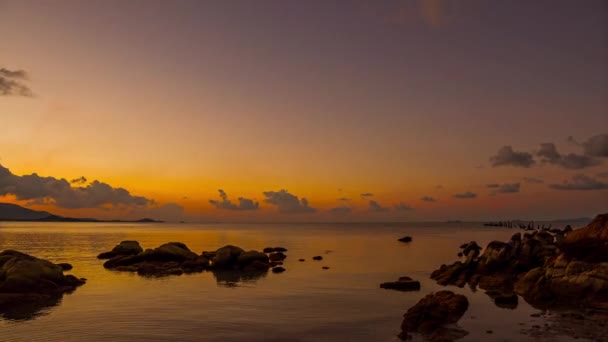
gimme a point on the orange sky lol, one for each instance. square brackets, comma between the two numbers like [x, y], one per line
[196, 97]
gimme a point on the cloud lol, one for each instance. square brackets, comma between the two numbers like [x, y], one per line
[492, 186]
[366, 194]
[507, 188]
[226, 204]
[288, 203]
[341, 210]
[580, 182]
[532, 180]
[465, 195]
[80, 180]
[506, 156]
[549, 154]
[61, 193]
[596, 146]
[428, 199]
[603, 174]
[403, 207]
[344, 199]
[11, 83]
[376, 207]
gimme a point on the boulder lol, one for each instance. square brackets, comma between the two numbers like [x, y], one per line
[249, 257]
[433, 312]
[25, 279]
[278, 269]
[226, 256]
[127, 247]
[406, 239]
[317, 258]
[277, 256]
[589, 243]
[403, 284]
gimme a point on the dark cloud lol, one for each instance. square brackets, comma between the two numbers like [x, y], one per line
[549, 154]
[492, 186]
[80, 180]
[61, 193]
[603, 174]
[341, 210]
[226, 204]
[376, 207]
[507, 188]
[344, 199]
[428, 199]
[580, 182]
[403, 207]
[465, 195]
[506, 156]
[596, 146]
[532, 180]
[288, 203]
[11, 83]
[367, 194]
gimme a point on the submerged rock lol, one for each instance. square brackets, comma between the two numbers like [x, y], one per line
[317, 258]
[27, 280]
[278, 269]
[432, 313]
[403, 284]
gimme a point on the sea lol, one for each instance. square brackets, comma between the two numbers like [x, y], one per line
[304, 303]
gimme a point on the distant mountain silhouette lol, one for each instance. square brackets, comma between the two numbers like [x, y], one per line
[14, 212]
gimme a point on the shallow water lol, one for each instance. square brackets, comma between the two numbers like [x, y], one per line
[305, 303]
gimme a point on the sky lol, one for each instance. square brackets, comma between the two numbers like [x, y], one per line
[363, 110]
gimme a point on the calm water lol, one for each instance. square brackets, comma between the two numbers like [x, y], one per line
[305, 303]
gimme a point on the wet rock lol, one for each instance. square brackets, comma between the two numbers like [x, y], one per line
[403, 284]
[127, 247]
[249, 257]
[432, 313]
[277, 256]
[27, 280]
[278, 269]
[226, 256]
[301, 260]
[317, 258]
[406, 239]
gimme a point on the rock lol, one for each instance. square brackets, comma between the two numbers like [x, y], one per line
[317, 258]
[406, 239]
[277, 256]
[278, 269]
[325, 267]
[460, 255]
[127, 247]
[249, 257]
[403, 284]
[433, 312]
[301, 260]
[65, 266]
[226, 256]
[269, 250]
[172, 251]
[506, 301]
[589, 243]
[28, 281]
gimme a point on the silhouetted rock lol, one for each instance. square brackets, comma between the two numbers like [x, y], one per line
[123, 248]
[277, 256]
[278, 269]
[432, 313]
[249, 257]
[301, 260]
[403, 284]
[226, 256]
[28, 281]
[65, 266]
[325, 267]
[317, 258]
[406, 239]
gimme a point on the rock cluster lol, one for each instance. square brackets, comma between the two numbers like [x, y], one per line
[556, 267]
[432, 313]
[25, 279]
[175, 258]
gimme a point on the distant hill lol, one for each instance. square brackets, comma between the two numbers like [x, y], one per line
[14, 212]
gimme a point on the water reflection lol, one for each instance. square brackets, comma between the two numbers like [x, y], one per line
[232, 278]
[26, 307]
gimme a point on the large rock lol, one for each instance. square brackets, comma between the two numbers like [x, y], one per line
[127, 247]
[249, 257]
[589, 243]
[227, 256]
[433, 312]
[26, 279]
